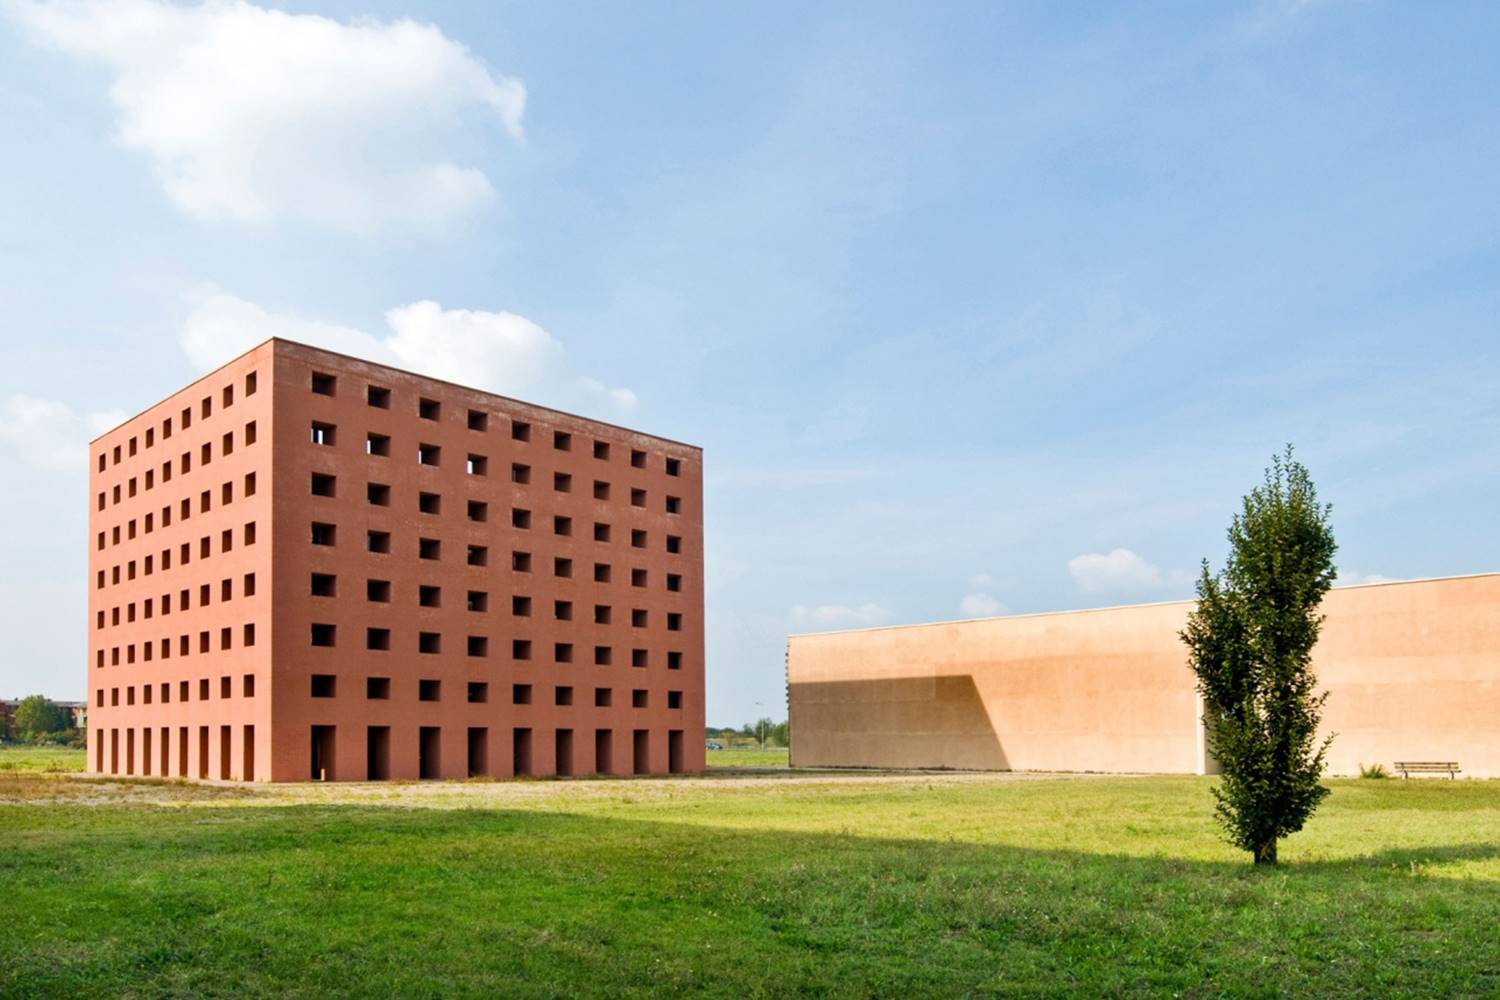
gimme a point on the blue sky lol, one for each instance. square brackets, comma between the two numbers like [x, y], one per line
[975, 308]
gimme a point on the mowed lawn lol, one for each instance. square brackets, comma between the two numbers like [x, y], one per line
[761, 885]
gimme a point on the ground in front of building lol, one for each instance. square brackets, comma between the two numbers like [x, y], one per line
[738, 884]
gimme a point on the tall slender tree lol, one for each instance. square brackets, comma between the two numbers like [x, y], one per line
[1250, 642]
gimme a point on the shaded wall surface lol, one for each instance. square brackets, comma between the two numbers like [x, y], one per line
[1412, 670]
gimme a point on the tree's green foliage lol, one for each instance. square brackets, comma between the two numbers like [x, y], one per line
[1250, 642]
[36, 717]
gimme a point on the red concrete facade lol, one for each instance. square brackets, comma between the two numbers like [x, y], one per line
[304, 565]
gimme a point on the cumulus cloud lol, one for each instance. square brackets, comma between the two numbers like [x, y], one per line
[1354, 578]
[835, 616]
[1120, 571]
[51, 434]
[497, 351]
[980, 605]
[249, 115]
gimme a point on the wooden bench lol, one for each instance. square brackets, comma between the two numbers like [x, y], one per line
[1449, 767]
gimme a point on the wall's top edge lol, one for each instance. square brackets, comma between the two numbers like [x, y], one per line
[181, 389]
[1112, 607]
[273, 341]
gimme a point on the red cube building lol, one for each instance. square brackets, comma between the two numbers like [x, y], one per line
[307, 566]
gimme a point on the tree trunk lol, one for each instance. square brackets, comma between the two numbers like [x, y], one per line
[1265, 854]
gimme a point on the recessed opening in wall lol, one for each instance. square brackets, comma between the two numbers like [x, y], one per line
[520, 562]
[378, 638]
[429, 752]
[674, 660]
[603, 697]
[429, 409]
[520, 606]
[674, 581]
[378, 541]
[429, 454]
[323, 585]
[638, 617]
[638, 698]
[429, 548]
[562, 652]
[562, 567]
[322, 634]
[323, 434]
[520, 474]
[674, 505]
[637, 538]
[603, 655]
[562, 482]
[479, 692]
[601, 450]
[378, 494]
[429, 642]
[378, 590]
[562, 525]
[562, 610]
[477, 555]
[674, 621]
[430, 596]
[477, 465]
[674, 544]
[378, 753]
[637, 498]
[323, 484]
[479, 511]
[323, 685]
[478, 601]
[601, 490]
[674, 466]
[429, 503]
[637, 578]
[638, 658]
[520, 430]
[378, 688]
[601, 614]
[637, 459]
[478, 420]
[378, 445]
[322, 384]
[478, 645]
[322, 534]
[563, 695]
[520, 649]
[429, 690]
[378, 397]
[562, 440]
[601, 532]
[251, 384]
[520, 694]
[674, 699]
[520, 518]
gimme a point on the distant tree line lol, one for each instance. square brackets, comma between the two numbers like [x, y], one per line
[764, 732]
[38, 719]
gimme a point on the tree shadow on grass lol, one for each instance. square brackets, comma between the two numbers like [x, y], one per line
[345, 899]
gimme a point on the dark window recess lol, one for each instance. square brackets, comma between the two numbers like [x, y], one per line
[562, 610]
[637, 538]
[520, 562]
[323, 685]
[674, 660]
[603, 697]
[479, 511]
[520, 518]
[563, 695]
[638, 658]
[322, 384]
[323, 585]
[637, 459]
[562, 652]
[674, 466]
[479, 692]
[377, 638]
[562, 567]
[520, 430]
[520, 694]
[674, 699]
[323, 534]
[674, 621]
[562, 525]
[378, 397]
[637, 578]
[323, 484]
[562, 440]
[601, 450]
[637, 498]
[378, 688]
[478, 601]
[601, 532]
[429, 503]
[378, 541]
[562, 482]
[323, 434]
[477, 465]
[429, 596]
[378, 590]
[674, 581]
[429, 548]
[429, 454]
[429, 690]
[429, 642]
[638, 698]
[601, 490]
[429, 409]
[478, 420]
[602, 656]
[378, 494]
[478, 645]
[674, 544]
[638, 617]
[377, 444]
[520, 606]
[477, 555]
[520, 474]
[322, 635]
[674, 505]
[601, 572]
[601, 614]
[520, 649]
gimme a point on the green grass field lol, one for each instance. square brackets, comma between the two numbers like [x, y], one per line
[55, 759]
[747, 757]
[739, 885]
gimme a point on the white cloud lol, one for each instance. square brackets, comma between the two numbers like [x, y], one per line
[836, 616]
[1120, 571]
[981, 605]
[51, 434]
[250, 115]
[496, 351]
[1354, 578]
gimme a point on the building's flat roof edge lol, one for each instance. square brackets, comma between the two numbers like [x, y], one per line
[402, 371]
[1112, 607]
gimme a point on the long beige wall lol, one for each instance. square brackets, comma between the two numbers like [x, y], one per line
[1412, 670]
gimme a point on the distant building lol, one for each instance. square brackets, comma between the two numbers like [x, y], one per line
[304, 565]
[1412, 672]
